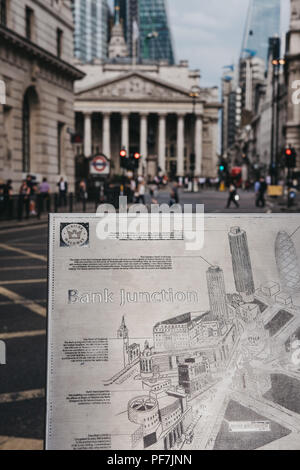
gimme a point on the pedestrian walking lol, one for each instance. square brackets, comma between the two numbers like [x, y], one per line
[24, 199]
[261, 190]
[62, 192]
[8, 198]
[2, 201]
[44, 191]
[233, 196]
[83, 195]
[153, 193]
[174, 196]
[141, 191]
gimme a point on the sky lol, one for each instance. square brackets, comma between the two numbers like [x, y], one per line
[209, 33]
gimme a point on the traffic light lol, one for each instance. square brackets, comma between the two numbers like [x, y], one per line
[290, 157]
[130, 162]
[76, 138]
[123, 159]
[222, 167]
[136, 160]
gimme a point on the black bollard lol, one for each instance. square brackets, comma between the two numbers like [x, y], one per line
[71, 202]
[55, 202]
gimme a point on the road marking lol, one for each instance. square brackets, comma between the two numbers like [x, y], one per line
[14, 243]
[4, 246]
[22, 396]
[32, 237]
[22, 334]
[22, 281]
[24, 228]
[17, 443]
[20, 302]
[22, 268]
[34, 307]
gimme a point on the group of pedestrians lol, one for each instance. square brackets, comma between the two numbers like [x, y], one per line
[260, 189]
[32, 197]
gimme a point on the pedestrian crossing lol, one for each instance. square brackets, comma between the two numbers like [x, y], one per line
[23, 329]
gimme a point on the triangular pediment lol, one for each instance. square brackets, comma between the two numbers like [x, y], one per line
[134, 86]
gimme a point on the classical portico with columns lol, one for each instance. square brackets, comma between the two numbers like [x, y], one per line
[155, 109]
[140, 110]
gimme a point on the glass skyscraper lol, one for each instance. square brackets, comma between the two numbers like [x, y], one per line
[155, 34]
[263, 22]
[155, 41]
[91, 29]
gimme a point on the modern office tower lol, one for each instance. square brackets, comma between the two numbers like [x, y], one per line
[251, 77]
[91, 29]
[232, 108]
[217, 293]
[287, 263]
[155, 40]
[241, 263]
[263, 22]
[129, 12]
[155, 33]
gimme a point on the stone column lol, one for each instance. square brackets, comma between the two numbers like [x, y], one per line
[180, 145]
[215, 141]
[198, 145]
[143, 141]
[106, 135]
[125, 132]
[87, 134]
[162, 142]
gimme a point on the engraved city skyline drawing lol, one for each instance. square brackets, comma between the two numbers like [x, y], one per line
[220, 374]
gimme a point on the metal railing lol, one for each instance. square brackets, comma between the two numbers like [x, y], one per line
[19, 207]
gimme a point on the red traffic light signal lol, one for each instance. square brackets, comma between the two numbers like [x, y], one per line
[137, 156]
[123, 153]
[290, 157]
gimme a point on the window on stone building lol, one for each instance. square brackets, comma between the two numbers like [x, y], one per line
[26, 134]
[59, 42]
[3, 12]
[60, 141]
[29, 128]
[29, 23]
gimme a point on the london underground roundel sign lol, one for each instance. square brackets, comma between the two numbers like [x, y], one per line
[100, 165]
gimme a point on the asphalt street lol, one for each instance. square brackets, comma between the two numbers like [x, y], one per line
[23, 300]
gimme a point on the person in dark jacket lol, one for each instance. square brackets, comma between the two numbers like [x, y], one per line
[233, 196]
[261, 191]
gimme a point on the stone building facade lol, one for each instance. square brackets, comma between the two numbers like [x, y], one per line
[36, 51]
[155, 109]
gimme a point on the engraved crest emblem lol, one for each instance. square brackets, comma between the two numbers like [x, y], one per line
[74, 235]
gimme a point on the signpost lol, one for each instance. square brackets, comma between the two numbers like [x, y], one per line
[99, 165]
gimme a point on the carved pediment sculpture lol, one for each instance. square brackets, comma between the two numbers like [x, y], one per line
[134, 87]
